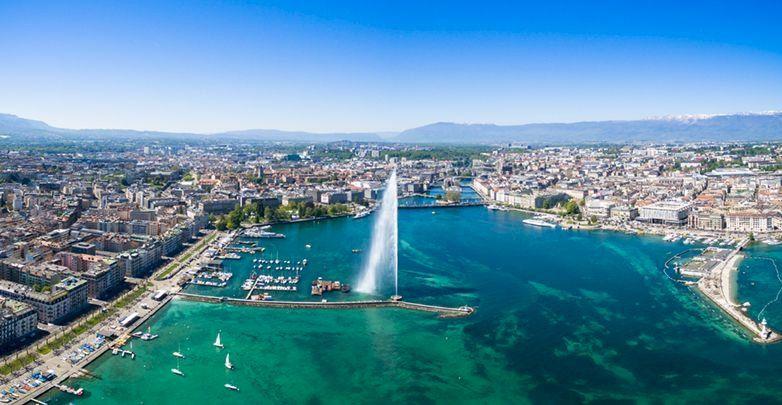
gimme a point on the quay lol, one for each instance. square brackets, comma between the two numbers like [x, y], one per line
[78, 368]
[443, 312]
[717, 286]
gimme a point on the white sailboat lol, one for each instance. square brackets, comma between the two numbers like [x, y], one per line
[228, 364]
[217, 342]
[178, 353]
[176, 370]
[231, 387]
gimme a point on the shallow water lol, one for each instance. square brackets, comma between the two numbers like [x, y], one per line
[562, 316]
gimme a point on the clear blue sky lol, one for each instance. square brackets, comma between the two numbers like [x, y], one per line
[382, 66]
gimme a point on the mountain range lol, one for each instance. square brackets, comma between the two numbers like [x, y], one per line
[765, 126]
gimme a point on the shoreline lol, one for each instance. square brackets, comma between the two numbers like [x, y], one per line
[718, 286]
[725, 300]
[78, 367]
[167, 284]
[729, 280]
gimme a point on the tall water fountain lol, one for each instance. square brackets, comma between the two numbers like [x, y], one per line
[383, 253]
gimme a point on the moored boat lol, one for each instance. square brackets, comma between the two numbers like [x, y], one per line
[538, 222]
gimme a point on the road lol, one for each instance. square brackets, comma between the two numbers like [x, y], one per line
[144, 305]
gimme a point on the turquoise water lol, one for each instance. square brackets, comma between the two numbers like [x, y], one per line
[760, 283]
[562, 317]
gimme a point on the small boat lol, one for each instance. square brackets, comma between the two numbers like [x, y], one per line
[179, 354]
[356, 250]
[148, 335]
[538, 222]
[231, 387]
[228, 363]
[176, 370]
[307, 246]
[217, 342]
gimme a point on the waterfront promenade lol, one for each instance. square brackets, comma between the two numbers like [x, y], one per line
[143, 305]
[146, 307]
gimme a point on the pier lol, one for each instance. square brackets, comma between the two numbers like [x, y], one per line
[717, 287]
[443, 312]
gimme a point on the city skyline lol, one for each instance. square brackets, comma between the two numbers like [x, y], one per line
[356, 67]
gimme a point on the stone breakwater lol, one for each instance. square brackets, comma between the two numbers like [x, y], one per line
[717, 286]
[443, 312]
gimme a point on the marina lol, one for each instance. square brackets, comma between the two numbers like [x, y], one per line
[262, 233]
[198, 316]
[286, 277]
[212, 278]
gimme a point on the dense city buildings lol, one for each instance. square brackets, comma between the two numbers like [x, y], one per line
[79, 227]
[704, 187]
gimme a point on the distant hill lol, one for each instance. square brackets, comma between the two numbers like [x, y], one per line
[21, 129]
[735, 127]
[719, 128]
[277, 135]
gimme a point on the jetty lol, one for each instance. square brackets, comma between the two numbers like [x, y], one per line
[442, 312]
[717, 286]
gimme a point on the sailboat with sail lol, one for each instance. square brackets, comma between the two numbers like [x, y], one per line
[228, 363]
[217, 342]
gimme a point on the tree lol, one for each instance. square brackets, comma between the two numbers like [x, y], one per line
[571, 208]
[268, 214]
[221, 224]
[453, 196]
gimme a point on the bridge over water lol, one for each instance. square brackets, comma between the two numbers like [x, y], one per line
[427, 204]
